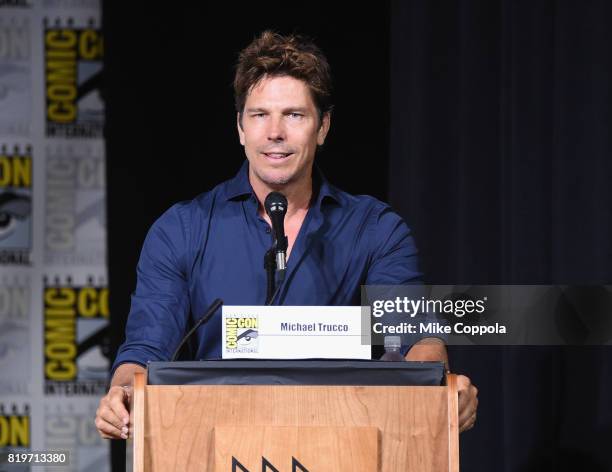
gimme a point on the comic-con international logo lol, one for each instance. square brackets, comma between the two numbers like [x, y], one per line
[14, 427]
[15, 75]
[15, 204]
[241, 334]
[75, 213]
[14, 335]
[73, 76]
[75, 338]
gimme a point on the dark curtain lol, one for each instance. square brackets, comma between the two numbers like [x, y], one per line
[501, 161]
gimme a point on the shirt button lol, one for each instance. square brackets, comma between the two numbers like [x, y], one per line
[268, 230]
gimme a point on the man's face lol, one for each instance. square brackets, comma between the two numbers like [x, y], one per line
[280, 131]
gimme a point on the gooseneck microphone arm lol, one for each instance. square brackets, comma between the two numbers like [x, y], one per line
[207, 316]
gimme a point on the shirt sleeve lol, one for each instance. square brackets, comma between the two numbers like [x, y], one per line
[394, 254]
[394, 264]
[160, 304]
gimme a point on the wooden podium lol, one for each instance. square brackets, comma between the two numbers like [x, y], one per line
[294, 428]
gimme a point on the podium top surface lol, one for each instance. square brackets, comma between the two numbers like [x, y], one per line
[296, 372]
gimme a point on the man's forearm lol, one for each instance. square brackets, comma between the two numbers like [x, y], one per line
[124, 374]
[428, 349]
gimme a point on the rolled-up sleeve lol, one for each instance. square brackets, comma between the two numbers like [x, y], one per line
[160, 304]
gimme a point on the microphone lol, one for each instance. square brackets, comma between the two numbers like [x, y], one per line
[207, 316]
[276, 208]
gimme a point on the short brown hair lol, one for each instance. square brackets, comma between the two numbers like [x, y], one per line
[272, 54]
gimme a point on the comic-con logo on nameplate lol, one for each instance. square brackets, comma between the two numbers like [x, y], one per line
[75, 213]
[74, 107]
[15, 204]
[76, 323]
[241, 334]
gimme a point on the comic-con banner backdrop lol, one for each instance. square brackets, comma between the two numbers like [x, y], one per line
[54, 314]
[75, 327]
[73, 71]
[15, 204]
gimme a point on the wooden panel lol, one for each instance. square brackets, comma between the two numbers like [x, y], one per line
[334, 449]
[137, 420]
[453, 423]
[413, 421]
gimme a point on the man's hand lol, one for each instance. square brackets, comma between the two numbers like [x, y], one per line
[468, 403]
[434, 349]
[112, 416]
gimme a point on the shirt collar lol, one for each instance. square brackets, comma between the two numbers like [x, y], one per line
[239, 186]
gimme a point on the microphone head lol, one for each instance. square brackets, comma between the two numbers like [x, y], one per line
[275, 204]
[276, 208]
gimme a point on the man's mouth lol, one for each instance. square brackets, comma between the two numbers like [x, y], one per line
[277, 155]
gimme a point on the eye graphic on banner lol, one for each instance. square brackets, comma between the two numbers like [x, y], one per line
[75, 337]
[15, 205]
[73, 77]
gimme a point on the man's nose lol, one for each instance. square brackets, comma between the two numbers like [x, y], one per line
[276, 131]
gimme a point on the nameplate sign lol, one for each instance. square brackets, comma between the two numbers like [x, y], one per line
[294, 332]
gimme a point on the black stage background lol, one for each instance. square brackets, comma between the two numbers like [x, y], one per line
[485, 124]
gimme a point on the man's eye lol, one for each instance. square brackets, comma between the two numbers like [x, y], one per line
[295, 115]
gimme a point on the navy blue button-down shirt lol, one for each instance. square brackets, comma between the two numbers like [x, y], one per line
[213, 247]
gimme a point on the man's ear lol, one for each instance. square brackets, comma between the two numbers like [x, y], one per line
[324, 128]
[239, 126]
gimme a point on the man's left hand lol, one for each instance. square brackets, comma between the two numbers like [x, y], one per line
[434, 349]
[468, 403]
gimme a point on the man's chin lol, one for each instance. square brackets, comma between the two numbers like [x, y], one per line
[276, 179]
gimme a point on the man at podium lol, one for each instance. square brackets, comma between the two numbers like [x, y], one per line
[213, 246]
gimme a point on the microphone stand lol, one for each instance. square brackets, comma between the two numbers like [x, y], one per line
[275, 206]
[270, 266]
